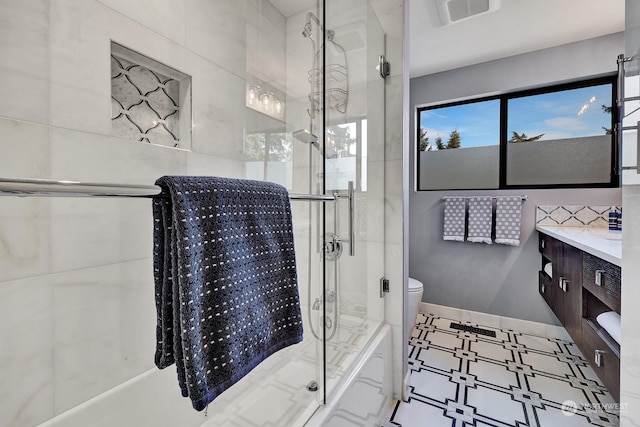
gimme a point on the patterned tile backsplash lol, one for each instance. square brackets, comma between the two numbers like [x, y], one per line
[575, 216]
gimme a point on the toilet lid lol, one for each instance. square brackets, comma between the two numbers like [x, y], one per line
[415, 285]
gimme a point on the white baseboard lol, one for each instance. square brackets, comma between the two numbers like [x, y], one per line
[491, 320]
[405, 385]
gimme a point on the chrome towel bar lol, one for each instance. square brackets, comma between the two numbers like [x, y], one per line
[45, 187]
[524, 198]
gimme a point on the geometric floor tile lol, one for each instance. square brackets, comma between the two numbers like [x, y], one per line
[462, 378]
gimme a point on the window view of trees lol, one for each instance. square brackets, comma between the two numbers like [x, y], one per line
[270, 147]
[484, 143]
[460, 125]
[341, 141]
[522, 137]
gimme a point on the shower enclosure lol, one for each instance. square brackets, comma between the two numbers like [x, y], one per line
[117, 92]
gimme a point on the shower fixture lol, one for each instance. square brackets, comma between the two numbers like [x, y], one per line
[304, 135]
[307, 30]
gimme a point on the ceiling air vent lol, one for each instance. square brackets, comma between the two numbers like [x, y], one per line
[456, 10]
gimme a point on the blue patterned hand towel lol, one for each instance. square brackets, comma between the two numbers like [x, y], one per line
[225, 280]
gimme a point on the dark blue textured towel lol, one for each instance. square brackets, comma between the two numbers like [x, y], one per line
[225, 280]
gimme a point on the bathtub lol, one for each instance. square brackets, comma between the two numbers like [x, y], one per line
[153, 397]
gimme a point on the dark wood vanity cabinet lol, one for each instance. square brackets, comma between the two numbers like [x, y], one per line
[563, 289]
[580, 288]
[601, 293]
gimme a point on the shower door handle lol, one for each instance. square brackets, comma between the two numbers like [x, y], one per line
[351, 197]
[352, 229]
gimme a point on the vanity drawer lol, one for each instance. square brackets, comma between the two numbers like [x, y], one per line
[602, 279]
[609, 369]
[547, 246]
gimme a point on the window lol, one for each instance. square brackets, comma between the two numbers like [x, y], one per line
[269, 157]
[559, 136]
[460, 136]
[346, 155]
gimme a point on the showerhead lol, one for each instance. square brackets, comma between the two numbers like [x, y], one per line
[304, 135]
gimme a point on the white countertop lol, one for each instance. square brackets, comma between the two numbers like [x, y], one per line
[600, 242]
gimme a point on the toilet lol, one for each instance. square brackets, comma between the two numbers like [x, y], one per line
[415, 297]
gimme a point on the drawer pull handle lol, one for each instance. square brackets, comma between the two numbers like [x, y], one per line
[600, 277]
[599, 358]
[563, 284]
[542, 244]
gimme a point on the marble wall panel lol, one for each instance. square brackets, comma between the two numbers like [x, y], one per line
[24, 70]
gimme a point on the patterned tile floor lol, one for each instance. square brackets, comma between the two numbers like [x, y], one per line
[461, 378]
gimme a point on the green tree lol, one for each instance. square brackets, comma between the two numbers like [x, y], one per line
[522, 137]
[439, 144]
[424, 140]
[339, 141]
[454, 140]
[274, 147]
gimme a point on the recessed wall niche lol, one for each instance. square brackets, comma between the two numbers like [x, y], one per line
[150, 102]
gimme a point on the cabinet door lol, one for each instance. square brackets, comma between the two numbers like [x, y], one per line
[553, 252]
[571, 289]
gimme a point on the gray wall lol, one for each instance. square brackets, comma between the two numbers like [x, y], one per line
[497, 279]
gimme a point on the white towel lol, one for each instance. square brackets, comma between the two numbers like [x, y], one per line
[508, 216]
[454, 218]
[548, 269]
[610, 321]
[480, 219]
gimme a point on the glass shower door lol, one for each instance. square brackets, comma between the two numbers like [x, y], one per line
[353, 147]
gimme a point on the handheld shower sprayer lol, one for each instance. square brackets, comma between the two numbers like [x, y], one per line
[307, 30]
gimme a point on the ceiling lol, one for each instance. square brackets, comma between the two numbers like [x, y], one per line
[290, 7]
[514, 27]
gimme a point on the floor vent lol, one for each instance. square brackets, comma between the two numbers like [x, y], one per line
[472, 329]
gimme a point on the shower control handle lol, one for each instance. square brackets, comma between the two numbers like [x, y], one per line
[351, 196]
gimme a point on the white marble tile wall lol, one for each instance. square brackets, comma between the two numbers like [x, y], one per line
[630, 349]
[25, 68]
[83, 261]
[76, 292]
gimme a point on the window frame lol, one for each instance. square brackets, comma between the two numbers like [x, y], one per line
[503, 131]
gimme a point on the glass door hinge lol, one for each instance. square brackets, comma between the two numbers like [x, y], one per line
[384, 287]
[383, 67]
